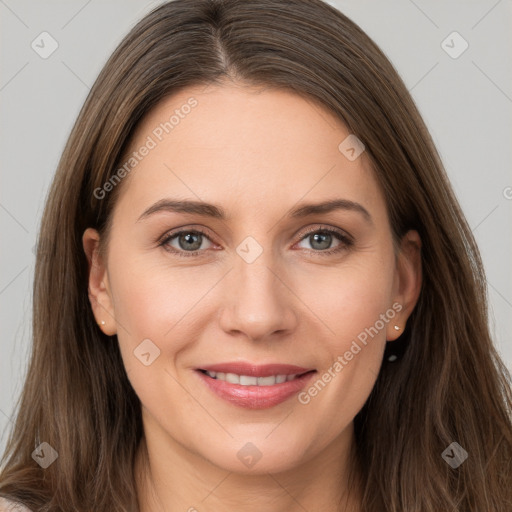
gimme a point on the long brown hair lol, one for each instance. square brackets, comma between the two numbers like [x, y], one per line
[449, 385]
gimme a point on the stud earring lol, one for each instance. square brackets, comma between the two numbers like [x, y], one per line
[103, 322]
[395, 348]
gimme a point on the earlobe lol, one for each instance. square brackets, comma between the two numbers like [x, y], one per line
[408, 280]
[98, 284]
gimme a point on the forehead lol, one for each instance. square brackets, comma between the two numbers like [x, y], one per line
[252, 148]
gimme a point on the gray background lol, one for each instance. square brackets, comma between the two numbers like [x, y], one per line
[466, 103]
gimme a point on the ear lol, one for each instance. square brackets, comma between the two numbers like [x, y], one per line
[99, 288]
[408, 279]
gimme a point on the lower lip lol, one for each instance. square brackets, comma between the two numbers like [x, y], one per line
[256, 397]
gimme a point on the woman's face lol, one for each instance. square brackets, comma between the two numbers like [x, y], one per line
[262, 283]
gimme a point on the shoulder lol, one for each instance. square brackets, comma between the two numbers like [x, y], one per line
[10, 506]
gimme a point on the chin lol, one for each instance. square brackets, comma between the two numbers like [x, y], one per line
[257, 455]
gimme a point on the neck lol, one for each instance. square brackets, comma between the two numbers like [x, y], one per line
[171, 478]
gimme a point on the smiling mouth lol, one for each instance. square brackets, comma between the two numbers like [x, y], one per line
[249, 380]
[255, 386]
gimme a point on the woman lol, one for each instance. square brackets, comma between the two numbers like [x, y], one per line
[255, 289]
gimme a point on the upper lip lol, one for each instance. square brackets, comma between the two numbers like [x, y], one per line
[253, 370]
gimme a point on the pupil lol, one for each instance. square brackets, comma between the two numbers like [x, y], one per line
[326, 238]
[189, 239]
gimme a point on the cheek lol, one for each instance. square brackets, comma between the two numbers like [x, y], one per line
[348, 299]
[159, 302]
[355, 306]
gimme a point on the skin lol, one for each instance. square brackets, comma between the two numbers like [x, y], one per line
[258, 153]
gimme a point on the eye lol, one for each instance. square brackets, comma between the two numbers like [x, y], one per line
[189, 242]
[322, 239]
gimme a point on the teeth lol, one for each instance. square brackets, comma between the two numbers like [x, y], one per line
[246, 380]
[266, 381]
[232, 378]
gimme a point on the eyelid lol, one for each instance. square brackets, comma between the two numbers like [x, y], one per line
[329, 229]
[188, 228]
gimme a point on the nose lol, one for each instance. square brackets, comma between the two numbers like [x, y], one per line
[258, 303]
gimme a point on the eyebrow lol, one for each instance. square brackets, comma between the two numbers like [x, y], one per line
[217, 212]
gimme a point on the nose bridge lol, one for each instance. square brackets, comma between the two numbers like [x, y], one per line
[257, 303]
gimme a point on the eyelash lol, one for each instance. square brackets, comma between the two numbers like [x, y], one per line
[347, 242]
